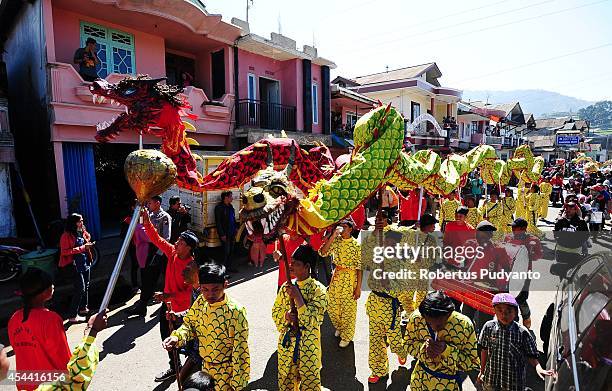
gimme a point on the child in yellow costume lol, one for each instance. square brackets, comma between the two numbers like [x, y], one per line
[414, 291]
[443, 342]
[299, 342]
[508, 204]
[533, 208]
[521, 201]
[545, 191]
[385, 299]
[448, 208]
[220, 325]
[345, 287]
[474, 215]
[492, 210]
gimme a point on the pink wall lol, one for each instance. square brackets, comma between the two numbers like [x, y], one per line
[289, 73]
[316, 78]
[150, 49]
[260, 66]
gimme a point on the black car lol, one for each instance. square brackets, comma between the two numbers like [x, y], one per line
[578, 328]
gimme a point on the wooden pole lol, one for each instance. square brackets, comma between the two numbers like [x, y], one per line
[285, 259]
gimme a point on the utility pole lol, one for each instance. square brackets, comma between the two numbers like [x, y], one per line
[247, 8]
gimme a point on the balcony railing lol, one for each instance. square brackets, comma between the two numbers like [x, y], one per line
[264, 115]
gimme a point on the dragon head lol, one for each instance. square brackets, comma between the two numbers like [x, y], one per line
[144, 98]
[271, 200]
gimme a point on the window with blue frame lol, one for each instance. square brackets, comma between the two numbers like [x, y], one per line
[115, 49]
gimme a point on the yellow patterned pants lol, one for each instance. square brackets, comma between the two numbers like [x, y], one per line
[305, 374]
[532, 228]
[410, 300]
[341, 306]
[380, 316]
[544, 198]
[222, 373]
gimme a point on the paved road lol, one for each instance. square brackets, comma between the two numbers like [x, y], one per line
[132, 354]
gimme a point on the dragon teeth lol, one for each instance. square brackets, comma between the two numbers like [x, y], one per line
[94, 97]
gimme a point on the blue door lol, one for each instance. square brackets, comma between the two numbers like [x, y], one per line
[81, 189]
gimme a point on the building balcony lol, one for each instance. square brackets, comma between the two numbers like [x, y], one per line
[263, 115]
[73, 106]
[481, 138]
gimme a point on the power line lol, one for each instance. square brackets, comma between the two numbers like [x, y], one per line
[381, 48]
[446, 27]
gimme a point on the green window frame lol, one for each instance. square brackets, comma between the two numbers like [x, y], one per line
[115, 48]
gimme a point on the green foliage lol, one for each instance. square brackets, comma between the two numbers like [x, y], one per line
[599, 115]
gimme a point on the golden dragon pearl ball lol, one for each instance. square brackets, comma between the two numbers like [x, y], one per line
[149, 173]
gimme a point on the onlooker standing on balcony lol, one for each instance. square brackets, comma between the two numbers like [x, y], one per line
[88, 60]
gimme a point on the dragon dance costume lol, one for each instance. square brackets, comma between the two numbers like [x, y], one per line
[493, 212]
[508, 204]
[447, 210]
[222, 332]
[341, 306]
[545, 191]
[383, 306]
[533, 209]
[521, 202]
[81, 367]
[473, 217]
[299, 352]
[443, 372]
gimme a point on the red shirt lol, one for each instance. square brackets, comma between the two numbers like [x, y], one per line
[556, 181]
[174, 282]
[39, 342]
[533, 244]
[409, 206]
[495, 258]
[68, 249]
[456, 234]
[359, 217]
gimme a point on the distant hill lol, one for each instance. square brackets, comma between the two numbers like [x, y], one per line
[537, 102]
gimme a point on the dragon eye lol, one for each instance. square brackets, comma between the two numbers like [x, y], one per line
[259, 198]
[129, 91]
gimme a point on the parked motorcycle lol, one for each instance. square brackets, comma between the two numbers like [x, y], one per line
[9, 262]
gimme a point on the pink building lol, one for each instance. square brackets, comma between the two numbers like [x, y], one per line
[239, 84]
[281, 88]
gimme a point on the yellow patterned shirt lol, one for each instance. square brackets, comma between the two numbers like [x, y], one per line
[460, 354]
[81, 367]
[310, 315]
[509, 207]
[448, 209]
[346, 253]
[222, 332]
[474, 217]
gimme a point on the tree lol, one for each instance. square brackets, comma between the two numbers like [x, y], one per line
[599, 115]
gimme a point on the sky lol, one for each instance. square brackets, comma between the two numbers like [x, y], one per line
[563, 46]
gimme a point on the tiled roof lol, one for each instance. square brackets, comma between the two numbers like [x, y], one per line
[398, 74]
[551, 122]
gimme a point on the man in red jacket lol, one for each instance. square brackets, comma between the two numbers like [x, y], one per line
[409, 208]
[176, 298]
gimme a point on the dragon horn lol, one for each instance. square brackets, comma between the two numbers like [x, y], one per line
[291, 160]
[270, 159]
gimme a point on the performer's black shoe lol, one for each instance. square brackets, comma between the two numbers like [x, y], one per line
[168, 374]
